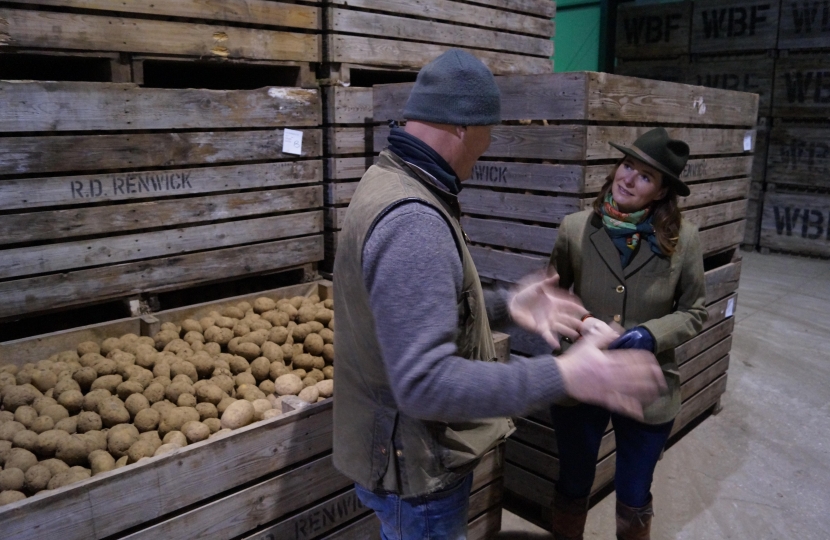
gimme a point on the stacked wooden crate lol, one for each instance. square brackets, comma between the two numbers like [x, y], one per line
[371, 42]
[549, 159]
[729, 45]
[154, 153]
[271, 479]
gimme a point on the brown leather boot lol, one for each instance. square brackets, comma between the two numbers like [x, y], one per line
[634, 523]
[569, 517]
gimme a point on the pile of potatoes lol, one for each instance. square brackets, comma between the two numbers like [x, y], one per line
[106, 405]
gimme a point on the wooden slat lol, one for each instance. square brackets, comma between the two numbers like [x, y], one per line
[752, 73]
[708, 216]
[259, 12]
[118, 500]
[707, 338]
[486, 498]
[734, 25]
[389, 26]
[529, 176]
[804, 25]
[704, 360]
[485, 526]
[802, 89]
[720, 310]
[695, 171]
[458, 12]
[340, 141]
[348, 105]
[796, 222]
[722, 281]
[81, 106]
[334, 217]
[506, 266]
[541, 8]
[540, 208]
[339, 193]
[502, 343]
[37, 155]
[654, 31]
[799, 155]
[112, 219]
[542, 459]
[700, 141]
[407, 54]
[714, 192]
[496, 232]
[351, 168]
[626, 99]
[96, 284]
[698, 404]
[670, 70]
[54, 30]
[50, 258]
[722, 237]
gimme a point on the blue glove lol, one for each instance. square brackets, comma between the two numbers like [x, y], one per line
[636, 338]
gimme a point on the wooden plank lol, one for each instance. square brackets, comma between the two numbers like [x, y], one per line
[796, 222]
[340, 193]
[351, 168]
[502, 344]
[54, 30]
[698, 404]
[38, 154]
[543, 459]
[84, 286]
[485, 499]
[496, 232]
[528, 176]
[753, 223]
[541, 8]
[408, 54]
[340, 141]
[33, 349]
[656, 31]
[367, 528]
[748, 73]
[695, 171]
[626, 99]
[81, 106]
[458, 12]
[734, 25]
[799, 155]
[539, 208]
[722, 237]
[759, 157]
[707, 338]
[405, 28]
[804, 25]
[53, 225]
[245, 510]
[720, 310]
[348, 105]
[709, 216]
[722, 281]
[506, 266]
[709, 193]
[704, 360]
[700, 141]
[802, 87]
[50, 258]
[334, 217]
[670, 70]
[258, 12]
[486, 525]
[118, 500]
[489, 468]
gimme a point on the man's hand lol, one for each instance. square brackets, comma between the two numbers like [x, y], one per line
[599, 333]
[540, 306]
[621, 381]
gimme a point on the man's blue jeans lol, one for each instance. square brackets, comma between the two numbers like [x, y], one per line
[439, 516]
[579, 432]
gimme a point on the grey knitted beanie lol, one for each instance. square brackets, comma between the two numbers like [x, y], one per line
[456, 89]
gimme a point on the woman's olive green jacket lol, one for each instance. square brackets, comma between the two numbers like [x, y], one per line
[666, 295]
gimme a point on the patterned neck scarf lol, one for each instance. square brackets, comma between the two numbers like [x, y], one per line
[626, 230]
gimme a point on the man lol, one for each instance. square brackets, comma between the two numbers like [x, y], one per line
[418, 402]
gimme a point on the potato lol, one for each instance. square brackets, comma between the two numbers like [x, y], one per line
[306, 313]
[72, 401]
[212, 348]
[89, 421]
[215, 334]
[204, 364]
[298, 350]
[47, 442]
[147, 420]
[55, 466]
[6, 416]
[325, 388]
[245, 378]
[224, 404]
[94, 440]
[163, 337]
[287, 353]
[140, 449]
[38, 405]
[94, 398]
[195, 431]
[36, 479]
[263, 304]
[176, 389]
[166, 449]
[151, 436]
[174, 419]
[288, 384]
[207, 322]
[65, 478]
[162, 368]
[69, 425]
[327, 335]
[301, 373]
[88, 347]
[105, 366]
[43, 423]
[43, 380]
[18, 396]
[120, 439]
[186, 400]
[56, 412]
[260, 368]
[260, 406]
[25, 415]
[113, 412]
[303, 361]
[239, 364]
[267, 387]
[309, 394]
[275, 317]
[101, 461]
[12, 479]
[240, 413]
[122, 462]
[316, 374]
[272, 352]
[297, 301]
[146, 358]
[248, 351]
[241, 329]
[136, 403]
[210, 393]
[277, 369]
[175, 437]
[107, 382]
[224, 382]
[207, 410]
[309, 381]
[300, 332]
[25, 439]
[11, 496]
[183, 367]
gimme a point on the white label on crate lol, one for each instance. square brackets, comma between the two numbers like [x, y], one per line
[730, 307]
[748, 141]
[292, 142]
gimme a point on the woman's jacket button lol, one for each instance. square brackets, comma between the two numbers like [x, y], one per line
[620, 289]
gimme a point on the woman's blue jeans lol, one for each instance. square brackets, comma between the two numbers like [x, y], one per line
[438, 516]
[579, 432]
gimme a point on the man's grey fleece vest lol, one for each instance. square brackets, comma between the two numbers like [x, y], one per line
[377, 446]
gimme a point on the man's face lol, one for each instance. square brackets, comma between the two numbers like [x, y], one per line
[475, 140]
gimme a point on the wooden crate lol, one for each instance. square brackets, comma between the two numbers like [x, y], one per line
[799, 155]
[720, 26]
[796, 222]
[674, 70]
[111, 190]
[401, 35]
[532, 464]
[802, 86]
[653, 31]
[746, 73]
[251, 29]
[551, 155]
[804, 25]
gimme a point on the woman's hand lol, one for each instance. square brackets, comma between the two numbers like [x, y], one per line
[599, 333]
[540, 306]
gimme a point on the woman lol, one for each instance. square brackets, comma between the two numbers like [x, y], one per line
[632, 260]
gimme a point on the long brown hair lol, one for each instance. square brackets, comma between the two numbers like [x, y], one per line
[665, 211]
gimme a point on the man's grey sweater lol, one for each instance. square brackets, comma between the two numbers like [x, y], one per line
[413, 272]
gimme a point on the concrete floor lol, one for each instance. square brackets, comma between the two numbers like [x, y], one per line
[761, 468]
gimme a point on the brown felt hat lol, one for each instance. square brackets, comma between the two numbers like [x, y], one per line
[669, 156]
